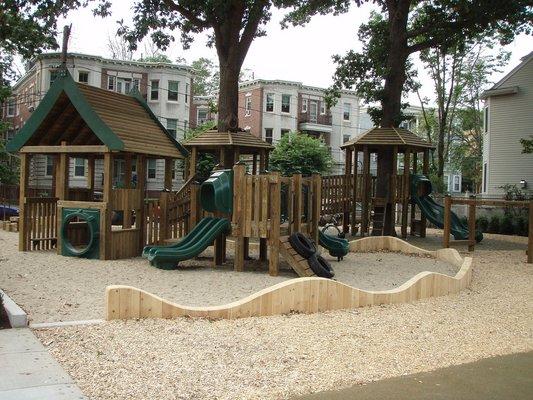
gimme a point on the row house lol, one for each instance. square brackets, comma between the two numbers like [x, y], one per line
[269, 109]
[166, 87]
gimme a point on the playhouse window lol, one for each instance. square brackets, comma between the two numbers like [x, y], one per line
[49, 166]
[79, 167]
[173, 87]
[151, 168]
[286, 103]
[269, 102]
[154, 90]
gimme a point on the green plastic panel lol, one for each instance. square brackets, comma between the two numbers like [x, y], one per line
[92, 217]
[216, 193]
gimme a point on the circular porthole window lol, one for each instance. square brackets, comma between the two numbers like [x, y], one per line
[78, 234]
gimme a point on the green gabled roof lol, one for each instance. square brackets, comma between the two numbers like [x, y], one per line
[120, 122]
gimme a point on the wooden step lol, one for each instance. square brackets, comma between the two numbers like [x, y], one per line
[296, 261]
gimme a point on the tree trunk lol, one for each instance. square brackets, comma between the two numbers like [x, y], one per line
[440, 147]
[228, 97]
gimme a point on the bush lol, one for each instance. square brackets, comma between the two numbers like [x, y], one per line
[521, 226]
[494, 224]
[506, 225]
[482, 224]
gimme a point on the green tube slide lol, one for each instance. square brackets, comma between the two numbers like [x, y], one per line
[168, 258]
[337, 247]
[420, 195]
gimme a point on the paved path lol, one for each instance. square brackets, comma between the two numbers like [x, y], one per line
[29, 372]
[498, 378]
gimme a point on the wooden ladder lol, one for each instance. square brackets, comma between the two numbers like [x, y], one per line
[379, 208]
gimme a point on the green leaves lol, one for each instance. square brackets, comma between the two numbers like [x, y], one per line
[297, 153]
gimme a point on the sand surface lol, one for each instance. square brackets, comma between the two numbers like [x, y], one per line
[53, 288]
[283, 356]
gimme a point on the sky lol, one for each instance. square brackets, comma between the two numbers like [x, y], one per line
[302, 54]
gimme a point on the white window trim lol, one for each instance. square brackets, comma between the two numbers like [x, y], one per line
[349, 112]
[114, 79]
[266, 102]
[8, 114]
[177, 93]
[88, 75]
[158, 90]
[322, 107]
[198, 114]
[84, 167]
[148, 170]
[290, 98]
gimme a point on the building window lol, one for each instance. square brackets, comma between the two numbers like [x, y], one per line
[486, 119]
[111, 83]
[270, 102]
[11, 108]
[456, 183]
[49, 166]
[136, 84]
[172, 126]
[154, 90]
[485, 178]
[322, 107]
[345, 138]
[286, 103]
[313, 111]
[185, 126]
[54, 73]
[186, 93]
[346, 111]
[79, 167]
[173, 87]
[248, 105]
[305, 102]
[151, 168]
[268, 135]
[83, 77]
[284, 132]
[201, 116]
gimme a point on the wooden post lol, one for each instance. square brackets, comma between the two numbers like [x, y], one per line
[392, 187]
[239, 171]
[55, 167]
[447, 220]
[471, 223]
[163, 219]
[366, 191]
[169, 167]
[425, 169]
[254, 164]
[405, 191]
[317, 196]
[140, 221]
[413, 207]
[275, 215]
[354, 191]
[346, 191]
[24, 182]
[62, 175]
[262, 161]
[222, 157]
[530, 236]
[105, 241]
[297, 214]
[90, 177]
[192, 161]
[194, 211]
[127, 170]
[108, 177]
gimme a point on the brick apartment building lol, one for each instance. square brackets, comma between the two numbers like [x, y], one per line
[166, 87]
[270, 108]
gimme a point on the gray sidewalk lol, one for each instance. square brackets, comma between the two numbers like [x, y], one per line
[29, 372]
[497, 378]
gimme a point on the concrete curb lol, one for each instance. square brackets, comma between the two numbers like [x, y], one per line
[17, 316]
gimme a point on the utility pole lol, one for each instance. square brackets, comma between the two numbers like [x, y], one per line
[66, 34]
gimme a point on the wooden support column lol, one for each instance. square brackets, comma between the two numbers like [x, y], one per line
[238, 215]
[447, 221]
[297, 215]
[365, 193]
[105, 241]
[316, 202]
[62, 175]
[425, 169]
[266, 159]
[140, 220]
[405, 191]
[127, 170]
[254, 164]
[262, 161]
[354, 191]
[192, 161]
[413, 207]
[392, 188]
[90, 177]
[222, 157]
[275, 216]
[169, 167]
[472, 223]
[55, 167]
[346, 190]
[24, 183]
[530, 235]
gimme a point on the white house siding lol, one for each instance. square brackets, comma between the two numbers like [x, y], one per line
[510, 119]
[277, 120]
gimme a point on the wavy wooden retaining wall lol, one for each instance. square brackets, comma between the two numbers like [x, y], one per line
[305, 295]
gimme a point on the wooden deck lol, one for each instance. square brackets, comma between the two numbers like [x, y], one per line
[296, 261]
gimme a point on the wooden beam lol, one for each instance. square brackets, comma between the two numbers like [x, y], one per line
[354, 190]
[127, 170]
[62, 175]
[23, 221]
[108, 177]
[140, 221]
[447, 221]
[90, 175]
[192, 161]
[405, 191]
[365, 197]
[65, 149]
[169, 166]
[471, 226]
[425, 170]
[413, 207]
[346, 190]
[58, 124]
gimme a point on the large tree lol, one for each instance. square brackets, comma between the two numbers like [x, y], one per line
[232, 26]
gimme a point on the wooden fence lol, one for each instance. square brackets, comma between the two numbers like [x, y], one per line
[39, 228]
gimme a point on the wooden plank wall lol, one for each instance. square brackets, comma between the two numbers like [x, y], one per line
[40, 221]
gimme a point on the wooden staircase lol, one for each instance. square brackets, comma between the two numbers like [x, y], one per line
[296, 261]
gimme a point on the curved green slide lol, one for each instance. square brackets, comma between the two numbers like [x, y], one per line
[337, 247]
[420, 190]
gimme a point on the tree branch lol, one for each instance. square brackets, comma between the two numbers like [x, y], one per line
[192, 17]
[251, 28]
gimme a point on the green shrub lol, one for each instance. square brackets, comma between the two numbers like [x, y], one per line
[507, 225]
[521, 226]
[482, 224]
[494, 224]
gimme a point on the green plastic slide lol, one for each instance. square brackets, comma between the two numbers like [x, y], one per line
[420, 195]
[202, 236]
[337, 247]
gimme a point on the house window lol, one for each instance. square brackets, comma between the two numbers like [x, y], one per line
[322, 107]
[79, 167]
[345, 138]
[173, 87]
[313, 111]
[346, 111]
[201, 116]
[284, 132]
[269, 102]
[305, 103]
[49, 166]
[248, 105]
[268, 135]
[446, 181]
[172, 126]
[186, 93]
[136, 84]
[83, 77]
[456, 183]
[151, 168]
[286, 103]
[111, 83]
[485, 178]
[54, 73]
[154, 90]
[11, 107]
[486, 119]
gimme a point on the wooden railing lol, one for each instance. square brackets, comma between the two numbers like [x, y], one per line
[38, 230]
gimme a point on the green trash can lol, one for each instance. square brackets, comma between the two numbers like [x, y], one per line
[80, 232]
